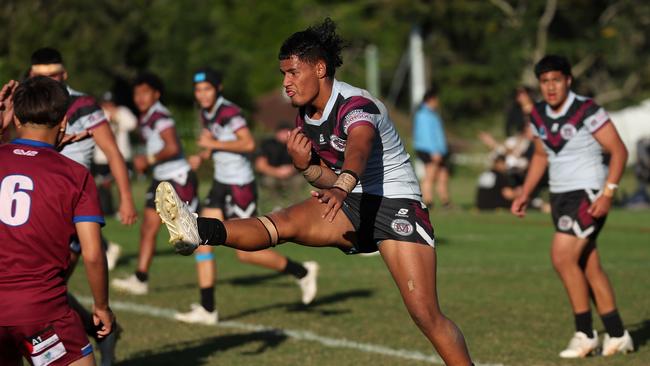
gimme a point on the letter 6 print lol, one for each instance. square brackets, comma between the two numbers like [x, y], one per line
[15, 202]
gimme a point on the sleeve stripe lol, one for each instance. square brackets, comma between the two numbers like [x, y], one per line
[361, 123]
[97, 219]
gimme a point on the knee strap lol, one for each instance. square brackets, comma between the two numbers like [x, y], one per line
[271, 229]
[203, 257]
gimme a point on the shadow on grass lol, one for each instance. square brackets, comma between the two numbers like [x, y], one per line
[640, 333]
[194, 352]
[126, 259]
[253, 280]
[315, 307]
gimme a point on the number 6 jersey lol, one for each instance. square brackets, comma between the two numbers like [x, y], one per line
[42, 195]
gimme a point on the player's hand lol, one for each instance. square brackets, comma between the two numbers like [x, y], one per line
[7, 104]
[140, 163]
[285, 171]
[518, 207]
[104, 321]
[194, 161]
[206, 141]
[127, 212]
[72, 138]
[333, 199]
[299, 148]
[600, 207]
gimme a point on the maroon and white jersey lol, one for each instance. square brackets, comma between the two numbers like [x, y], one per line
[223, 121]
[388, 171]
[42, 195]
[575, 157]
[83, 115]
[156, 120]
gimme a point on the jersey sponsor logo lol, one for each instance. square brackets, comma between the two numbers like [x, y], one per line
[564, 223]
[321, 139]
[541, 131]
[25, 152]
[337, 143]
[568, 131]
[355, 115]
[401, 227]
[403, 212]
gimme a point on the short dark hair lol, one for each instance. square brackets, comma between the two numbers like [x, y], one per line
[150, 79]
[208, 75]
[432, 92]
[41, 100]
[553, 63]
[318, 42]
[46, 56]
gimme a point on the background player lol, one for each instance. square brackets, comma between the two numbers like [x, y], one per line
[45, 198]
[571, 134]
[345, 144]
[225, 138]
[164, 156]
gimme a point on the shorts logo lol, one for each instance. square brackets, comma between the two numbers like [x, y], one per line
[564, 223]
[542, 132]
[568, 131]
[401, 227]
[337, 143]
[402, 212]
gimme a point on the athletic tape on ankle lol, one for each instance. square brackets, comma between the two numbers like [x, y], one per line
[346, 181]
[312, 173]
[269, 225]
[203, 257]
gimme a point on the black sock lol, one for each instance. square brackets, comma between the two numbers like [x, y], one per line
[207, 298]
[613, 324]
[584, 324]
[295, 269]
[142, 276]
[211, 231]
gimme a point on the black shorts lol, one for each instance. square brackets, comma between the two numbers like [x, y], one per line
[377, 218]
[236, 201]
[569, 212]
[187, 192]
[425, 157]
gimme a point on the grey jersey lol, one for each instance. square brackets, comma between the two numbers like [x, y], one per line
[223, 121]
[388, 171]
[575, 158]
[83, 115]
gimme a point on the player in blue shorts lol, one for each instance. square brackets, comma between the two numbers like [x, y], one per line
[571, 134]
[369, 199]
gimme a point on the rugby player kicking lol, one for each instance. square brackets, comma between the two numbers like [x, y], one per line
[571, 134]
[369, 199]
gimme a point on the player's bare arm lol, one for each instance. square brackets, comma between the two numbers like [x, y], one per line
[357, 151]
[536, 171]
[6, 104]
[97, 273]
[608, 138]
[170, 149]
[243, 144]
[105, 140]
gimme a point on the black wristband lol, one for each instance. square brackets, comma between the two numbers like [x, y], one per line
[351, 173]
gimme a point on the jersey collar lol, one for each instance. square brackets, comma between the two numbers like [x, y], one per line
[33, 143]
[565, 107]
[328, 107]
[209, 113]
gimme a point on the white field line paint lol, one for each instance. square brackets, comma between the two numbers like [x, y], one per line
[296, 334]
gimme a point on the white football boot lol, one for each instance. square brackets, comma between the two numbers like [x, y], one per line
[309, 283]
[180, 221]
[112, 254]
[613, 345]
[130, 285]
[198, 315]
[580, 346]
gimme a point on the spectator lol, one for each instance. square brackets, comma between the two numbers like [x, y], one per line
[495, 188]
[431, 148]
[274, 163]
[518, 116]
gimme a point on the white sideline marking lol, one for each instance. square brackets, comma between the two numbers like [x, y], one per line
[296, 334]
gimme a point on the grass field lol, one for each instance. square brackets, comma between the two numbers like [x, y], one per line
[495, 281]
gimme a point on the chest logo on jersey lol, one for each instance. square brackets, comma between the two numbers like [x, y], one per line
[568, 131]
[401, 227]
[337, 143]
[542, 132]
[25, 152]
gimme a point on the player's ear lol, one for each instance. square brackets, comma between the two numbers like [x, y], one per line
[65, 75]
[17, 122]
[321, 69]
[569, 80]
